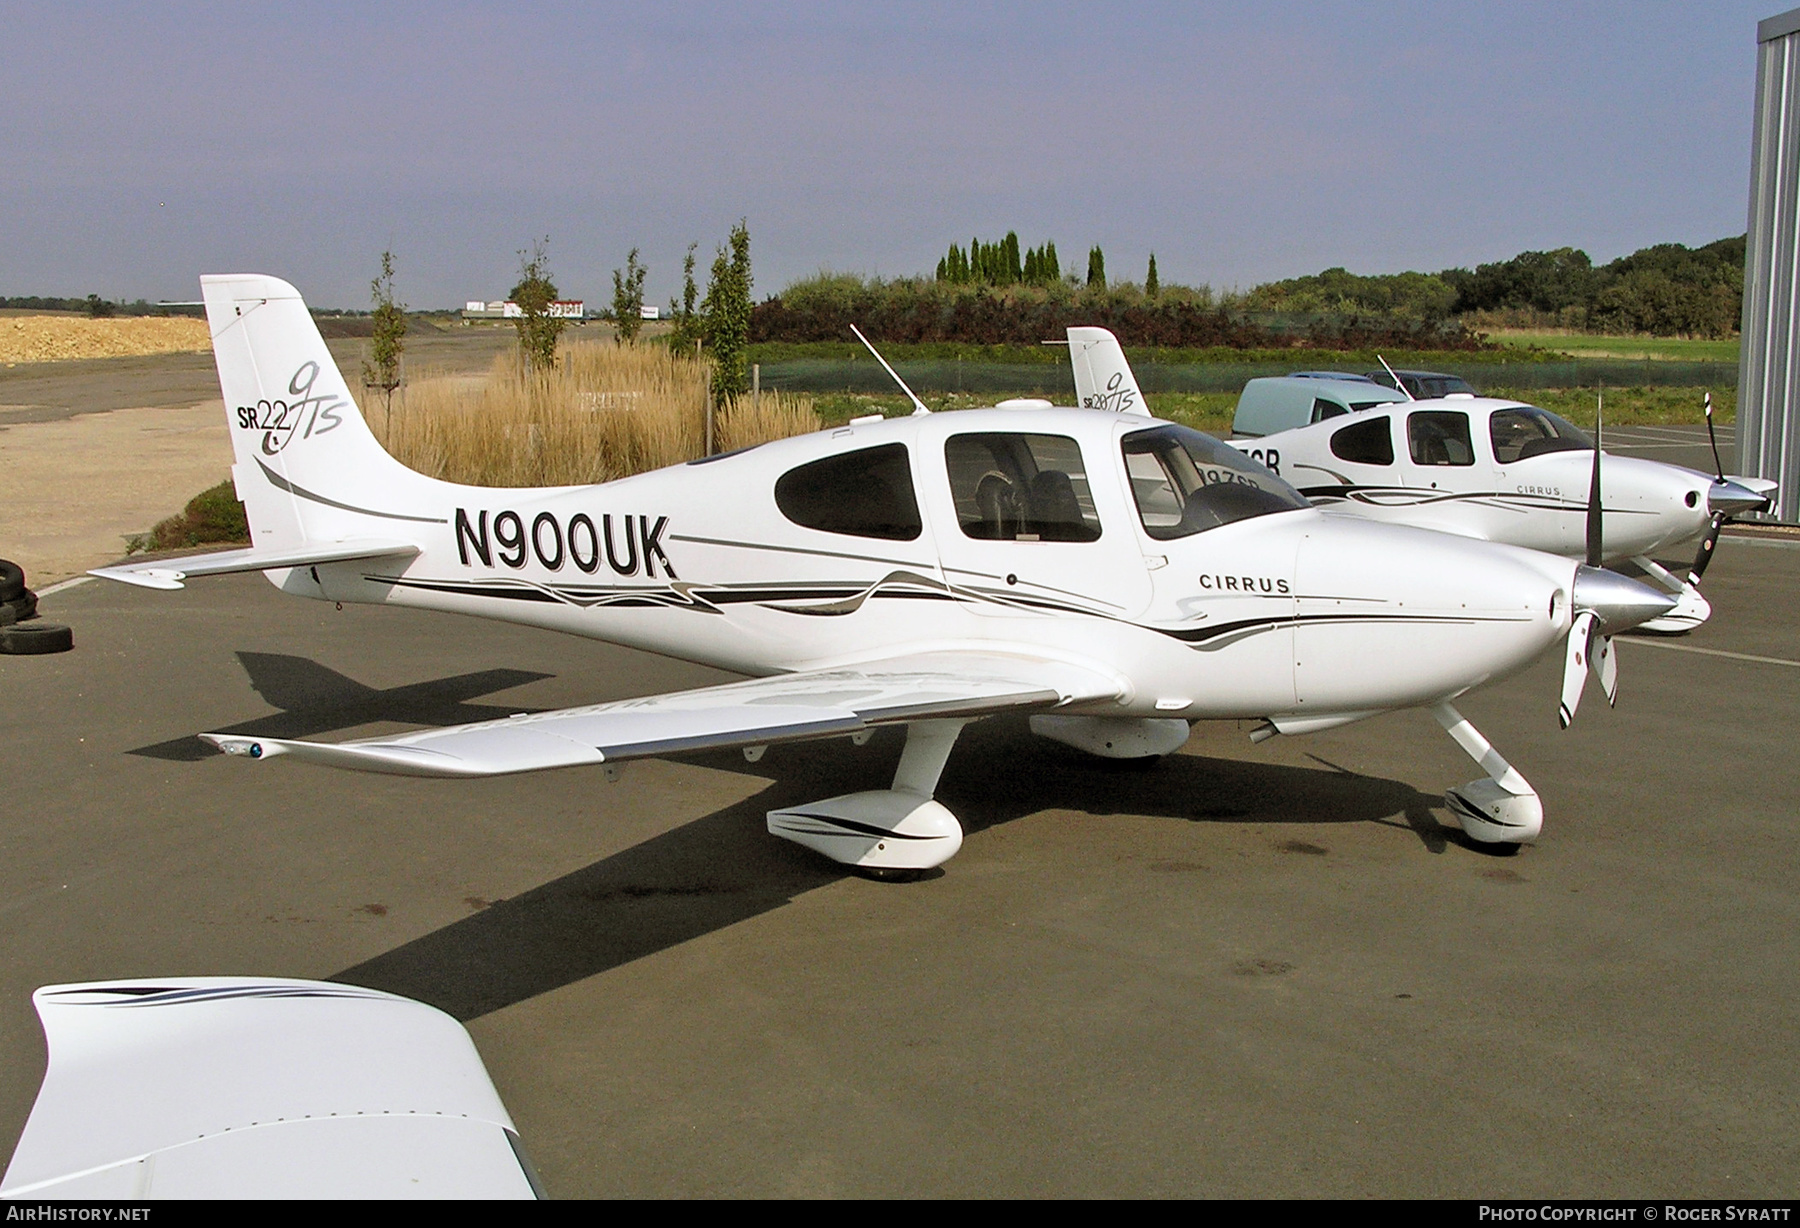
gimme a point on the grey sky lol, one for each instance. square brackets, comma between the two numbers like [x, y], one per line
[144, 145]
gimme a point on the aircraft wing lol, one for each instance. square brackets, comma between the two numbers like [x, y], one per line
[787, 707]
[169, 573]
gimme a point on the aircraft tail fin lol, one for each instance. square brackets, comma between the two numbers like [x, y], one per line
[307, 463]
[1103, 379]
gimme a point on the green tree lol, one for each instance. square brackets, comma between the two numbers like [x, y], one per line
[727, 314]
[1151, 284]
[1096, 278]
[628, 298]
[381, 370]
[687, 327]
[538, 329]
[98, 307]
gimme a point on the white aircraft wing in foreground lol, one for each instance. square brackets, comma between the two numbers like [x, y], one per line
[934, 693]
[235, 1087]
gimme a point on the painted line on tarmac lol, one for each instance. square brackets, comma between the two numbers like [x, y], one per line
[63, 584]
[1748, 540]
[1710, 652]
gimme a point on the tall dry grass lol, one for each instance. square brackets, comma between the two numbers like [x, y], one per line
[606, 411]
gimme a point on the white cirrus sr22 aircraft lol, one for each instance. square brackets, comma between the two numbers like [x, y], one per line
[1488, 468]
[1113, 575]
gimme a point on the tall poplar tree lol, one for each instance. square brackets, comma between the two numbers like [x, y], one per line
[727, 314]
[381, 370]
[628, 298]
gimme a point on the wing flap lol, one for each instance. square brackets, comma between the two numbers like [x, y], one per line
[789, 707]
[169, 573]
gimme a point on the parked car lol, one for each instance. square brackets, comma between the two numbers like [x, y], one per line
[1425, 385]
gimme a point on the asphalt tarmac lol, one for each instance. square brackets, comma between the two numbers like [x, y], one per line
[1258, 971]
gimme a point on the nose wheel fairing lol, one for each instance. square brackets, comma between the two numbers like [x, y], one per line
[1503, 808]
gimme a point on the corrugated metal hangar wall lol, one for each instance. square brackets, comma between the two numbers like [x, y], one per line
[1768, 424]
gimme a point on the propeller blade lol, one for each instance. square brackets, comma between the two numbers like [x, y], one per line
[1606, 668]
[1594, 530]
[1575, 666]
[1718, 465]
[1703, 558]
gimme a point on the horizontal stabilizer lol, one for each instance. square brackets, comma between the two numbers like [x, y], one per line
[169, 573]
[789, 707]
[250, 1087]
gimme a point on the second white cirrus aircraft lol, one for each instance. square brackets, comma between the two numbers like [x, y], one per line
[1480, 467]
[1116, 576]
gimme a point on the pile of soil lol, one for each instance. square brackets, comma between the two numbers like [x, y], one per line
[57, 338]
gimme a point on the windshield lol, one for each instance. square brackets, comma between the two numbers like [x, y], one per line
[1526, 431]
[1186, 483]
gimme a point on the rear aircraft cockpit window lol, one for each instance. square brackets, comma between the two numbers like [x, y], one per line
[866, 493]
[1526, 431]
[1439, 437]
[1366, 443]
[1186, 483]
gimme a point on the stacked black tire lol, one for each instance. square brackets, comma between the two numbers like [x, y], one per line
[22, 632]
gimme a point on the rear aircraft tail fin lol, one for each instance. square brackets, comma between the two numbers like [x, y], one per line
[1103, 379]
[308, 469]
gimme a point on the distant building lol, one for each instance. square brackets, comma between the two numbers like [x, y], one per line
[566, 309]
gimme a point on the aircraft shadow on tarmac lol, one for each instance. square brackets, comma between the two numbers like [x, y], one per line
[725, 868]
[314, 699]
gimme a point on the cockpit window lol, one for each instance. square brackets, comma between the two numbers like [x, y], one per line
[1012, 486]
[1528, 431]
[1440, 437]
[1186, 483]
[866, 493]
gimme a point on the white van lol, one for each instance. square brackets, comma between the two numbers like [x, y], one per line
[1281, 403]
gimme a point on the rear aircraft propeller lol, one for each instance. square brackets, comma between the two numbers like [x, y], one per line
[1725, 500]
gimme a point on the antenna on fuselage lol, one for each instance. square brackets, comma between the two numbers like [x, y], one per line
[884, 362]
[1398, 386]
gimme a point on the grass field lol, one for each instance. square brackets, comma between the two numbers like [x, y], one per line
[1629, 406]
[1590, 345]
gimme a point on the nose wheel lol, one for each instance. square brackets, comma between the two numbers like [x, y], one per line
[1503, 808]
